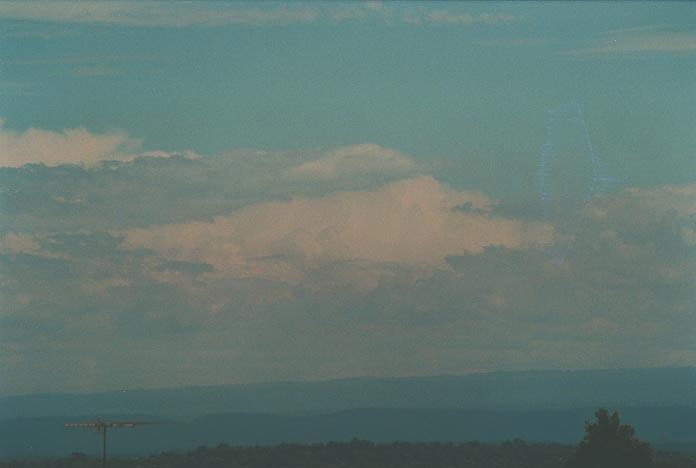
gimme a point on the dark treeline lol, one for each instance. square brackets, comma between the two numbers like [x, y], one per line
[354, 454]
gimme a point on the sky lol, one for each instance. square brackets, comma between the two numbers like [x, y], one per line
[214, 193]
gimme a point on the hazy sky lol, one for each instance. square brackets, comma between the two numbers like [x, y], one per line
[208, 193]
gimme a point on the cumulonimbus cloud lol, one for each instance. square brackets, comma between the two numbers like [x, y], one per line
[413, 221]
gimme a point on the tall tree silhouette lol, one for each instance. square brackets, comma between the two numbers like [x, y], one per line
[610, 444]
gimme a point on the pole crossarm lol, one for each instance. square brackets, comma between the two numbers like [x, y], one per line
[102, 426]
[99, 424]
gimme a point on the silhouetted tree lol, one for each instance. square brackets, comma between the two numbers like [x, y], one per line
[353, 454]
[610, 444]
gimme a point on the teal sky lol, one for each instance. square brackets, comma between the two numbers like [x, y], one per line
[432, 90]
[225, 188]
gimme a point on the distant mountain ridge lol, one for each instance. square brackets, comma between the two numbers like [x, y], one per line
[510, 391]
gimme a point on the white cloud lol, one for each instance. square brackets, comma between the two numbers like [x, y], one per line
[182, 14]
[634, 213]
[644, 206]
[413, 221]
[462, 18]
[95, 70]
[69, 146]
[153, 13]
[374, 5]
[678, 198]
[13, 243]
[347, 12]
[635, 43]
[516, 42]
[352, 160]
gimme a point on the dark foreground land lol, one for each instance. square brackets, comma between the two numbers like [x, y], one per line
[354, 454]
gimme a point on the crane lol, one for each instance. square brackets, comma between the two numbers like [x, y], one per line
[101, 427]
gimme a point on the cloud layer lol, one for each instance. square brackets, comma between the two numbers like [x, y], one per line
[149, 13]
[210, 14]
[640, 42]
[334, 262]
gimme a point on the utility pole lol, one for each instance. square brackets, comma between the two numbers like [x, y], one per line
[104, 447]
[102, 426]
